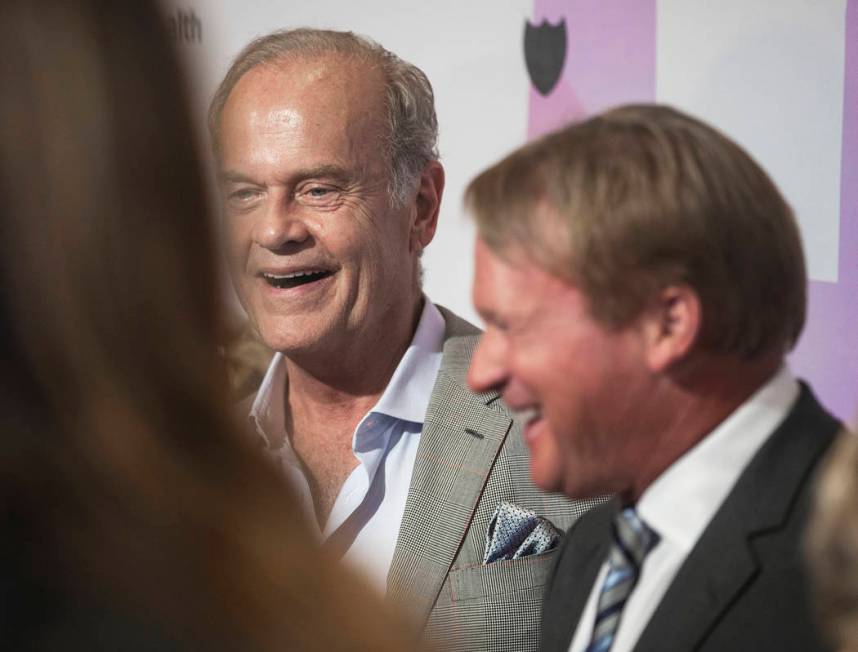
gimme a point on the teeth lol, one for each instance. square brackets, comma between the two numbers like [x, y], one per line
[294, 279]
[292, 275]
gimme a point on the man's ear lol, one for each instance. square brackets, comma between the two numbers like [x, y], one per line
[671, 326]
[427, 205]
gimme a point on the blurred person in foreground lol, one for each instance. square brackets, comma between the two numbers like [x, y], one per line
[326, 145]
[132, 516]
[832, 539]
[642, 279]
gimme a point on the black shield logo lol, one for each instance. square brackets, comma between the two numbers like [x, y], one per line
[545, 53]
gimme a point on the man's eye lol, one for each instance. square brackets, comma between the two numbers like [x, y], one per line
[320, 196]
[242, 195]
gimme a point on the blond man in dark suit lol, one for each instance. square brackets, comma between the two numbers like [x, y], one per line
[642, 280]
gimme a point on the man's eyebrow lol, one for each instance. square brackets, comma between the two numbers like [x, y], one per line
[326, 171]
[490, 317]
[329, 171]
[230, 176]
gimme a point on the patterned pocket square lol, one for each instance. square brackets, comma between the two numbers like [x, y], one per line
[515, 532]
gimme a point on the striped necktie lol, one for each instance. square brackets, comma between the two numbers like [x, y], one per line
[632, 540]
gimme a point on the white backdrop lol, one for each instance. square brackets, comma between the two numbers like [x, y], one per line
[770, 73]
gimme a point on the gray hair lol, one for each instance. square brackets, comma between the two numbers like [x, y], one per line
[412, 126]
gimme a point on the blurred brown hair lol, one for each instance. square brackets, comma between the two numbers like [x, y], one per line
[832, 543]
[644, 196]
[124, 480]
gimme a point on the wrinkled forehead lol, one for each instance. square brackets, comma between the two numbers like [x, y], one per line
[332, 93]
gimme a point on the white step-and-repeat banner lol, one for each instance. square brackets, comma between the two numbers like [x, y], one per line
[780, 76]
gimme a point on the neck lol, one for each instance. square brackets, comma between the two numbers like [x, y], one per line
[352, 380]
[690, 405]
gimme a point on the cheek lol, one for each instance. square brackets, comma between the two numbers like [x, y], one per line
[390, 233]
[237, 233]
[546, 461]
[541, 369]
[562, 392]
[350, 234]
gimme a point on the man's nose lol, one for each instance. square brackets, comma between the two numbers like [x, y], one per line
[280, 225]
[488, 368]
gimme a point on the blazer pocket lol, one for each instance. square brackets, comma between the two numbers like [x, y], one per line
[502, 577]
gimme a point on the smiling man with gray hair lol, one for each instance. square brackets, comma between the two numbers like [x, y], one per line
[331, 185]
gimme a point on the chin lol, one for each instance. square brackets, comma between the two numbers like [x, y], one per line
[547, 479]
[290, 346]
[579, 488]
[291, 335]
[275, 340]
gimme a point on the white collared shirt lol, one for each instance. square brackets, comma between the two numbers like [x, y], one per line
[684, 499]
[385, 442]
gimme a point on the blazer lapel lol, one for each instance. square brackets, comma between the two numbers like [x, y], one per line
[575, 576]
[723, 563]
[711, 578]
[460, 440]
[461, 437]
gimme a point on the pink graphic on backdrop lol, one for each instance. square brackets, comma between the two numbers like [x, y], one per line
[610, 59]
[827, 354]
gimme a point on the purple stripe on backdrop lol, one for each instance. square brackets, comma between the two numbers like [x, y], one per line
[827, 354]
[610, 59]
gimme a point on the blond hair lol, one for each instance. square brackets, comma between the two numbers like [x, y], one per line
[644, 196]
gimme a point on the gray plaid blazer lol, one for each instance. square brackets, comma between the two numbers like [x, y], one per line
[471, 456]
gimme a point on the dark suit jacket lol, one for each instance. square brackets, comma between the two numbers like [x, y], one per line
[743, 585]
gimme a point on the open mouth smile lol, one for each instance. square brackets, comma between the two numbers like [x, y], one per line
[531, 421]
[528, 415]
[295, 279]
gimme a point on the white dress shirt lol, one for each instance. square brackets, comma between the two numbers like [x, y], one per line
[684, 499]
[371, 502]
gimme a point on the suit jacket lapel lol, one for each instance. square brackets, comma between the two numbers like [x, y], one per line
[723, 562]
[461, 437]
[579, 568]
[711, 578]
